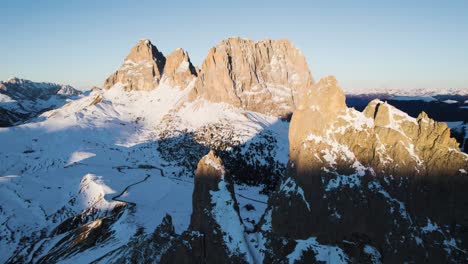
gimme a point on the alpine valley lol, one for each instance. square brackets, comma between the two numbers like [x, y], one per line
[247, 159]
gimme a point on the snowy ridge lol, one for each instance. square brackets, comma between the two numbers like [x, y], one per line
[21, 100]
[424, 92]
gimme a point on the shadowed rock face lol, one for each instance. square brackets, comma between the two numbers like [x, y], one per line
[265, 76]
[376, 178]
[210, 171]
[215, 211]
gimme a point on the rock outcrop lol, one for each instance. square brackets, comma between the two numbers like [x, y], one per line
[146, 67]
[374, 180]
[179, 71]
[382, 137]
[265, 76]
[142, 68]
[216, 232]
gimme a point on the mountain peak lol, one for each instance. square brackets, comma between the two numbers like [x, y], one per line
[142, 68]
[144, 50]
[264, 76]
[16, 80]
[179, 70]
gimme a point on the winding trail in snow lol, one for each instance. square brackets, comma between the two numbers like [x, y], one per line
[132, 204]
[251, 199]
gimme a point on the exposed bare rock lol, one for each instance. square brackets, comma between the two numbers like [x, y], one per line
[142, 68]
[318, 108]
[216, 232]
[179, 71]
[382, 137]
[265, 76]
[210, 172]
[374, 180]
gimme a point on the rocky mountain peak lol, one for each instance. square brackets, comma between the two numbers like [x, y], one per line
[213, 235]
[210, 170]
[145, 68]
[142, 68]
[179, 70]
[325, 95]
[144, 50]
[368, 167]
[318, 108]
[264, 76]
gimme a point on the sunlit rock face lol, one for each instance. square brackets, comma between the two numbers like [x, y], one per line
[376, 178]
[146, 67]
[179, 71]
[142, 68]
[265, 76]
[382, 137]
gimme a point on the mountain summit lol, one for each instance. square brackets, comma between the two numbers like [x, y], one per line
[145, 68]
[142, 68]
[265, 76]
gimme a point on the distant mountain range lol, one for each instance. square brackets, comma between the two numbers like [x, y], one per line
[422, 92]
[21, 100]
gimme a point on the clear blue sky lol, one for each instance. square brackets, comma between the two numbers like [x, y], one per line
[403, 44]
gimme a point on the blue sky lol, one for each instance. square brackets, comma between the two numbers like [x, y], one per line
[366, 44]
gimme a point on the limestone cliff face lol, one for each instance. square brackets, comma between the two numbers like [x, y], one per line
[145, 68]
[179, 71]
[142, 68]
[376, 178]
[382, 137]
[265, 76]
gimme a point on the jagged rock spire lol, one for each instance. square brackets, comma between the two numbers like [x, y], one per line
[141, 70]
[216, 232]
[179, 70]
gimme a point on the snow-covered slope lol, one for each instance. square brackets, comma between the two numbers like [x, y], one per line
[21, 99]
[122, 175]
[112, 155]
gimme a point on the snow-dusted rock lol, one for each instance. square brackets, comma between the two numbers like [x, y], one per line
[370, 180]
[142, 68]
[216, 232]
